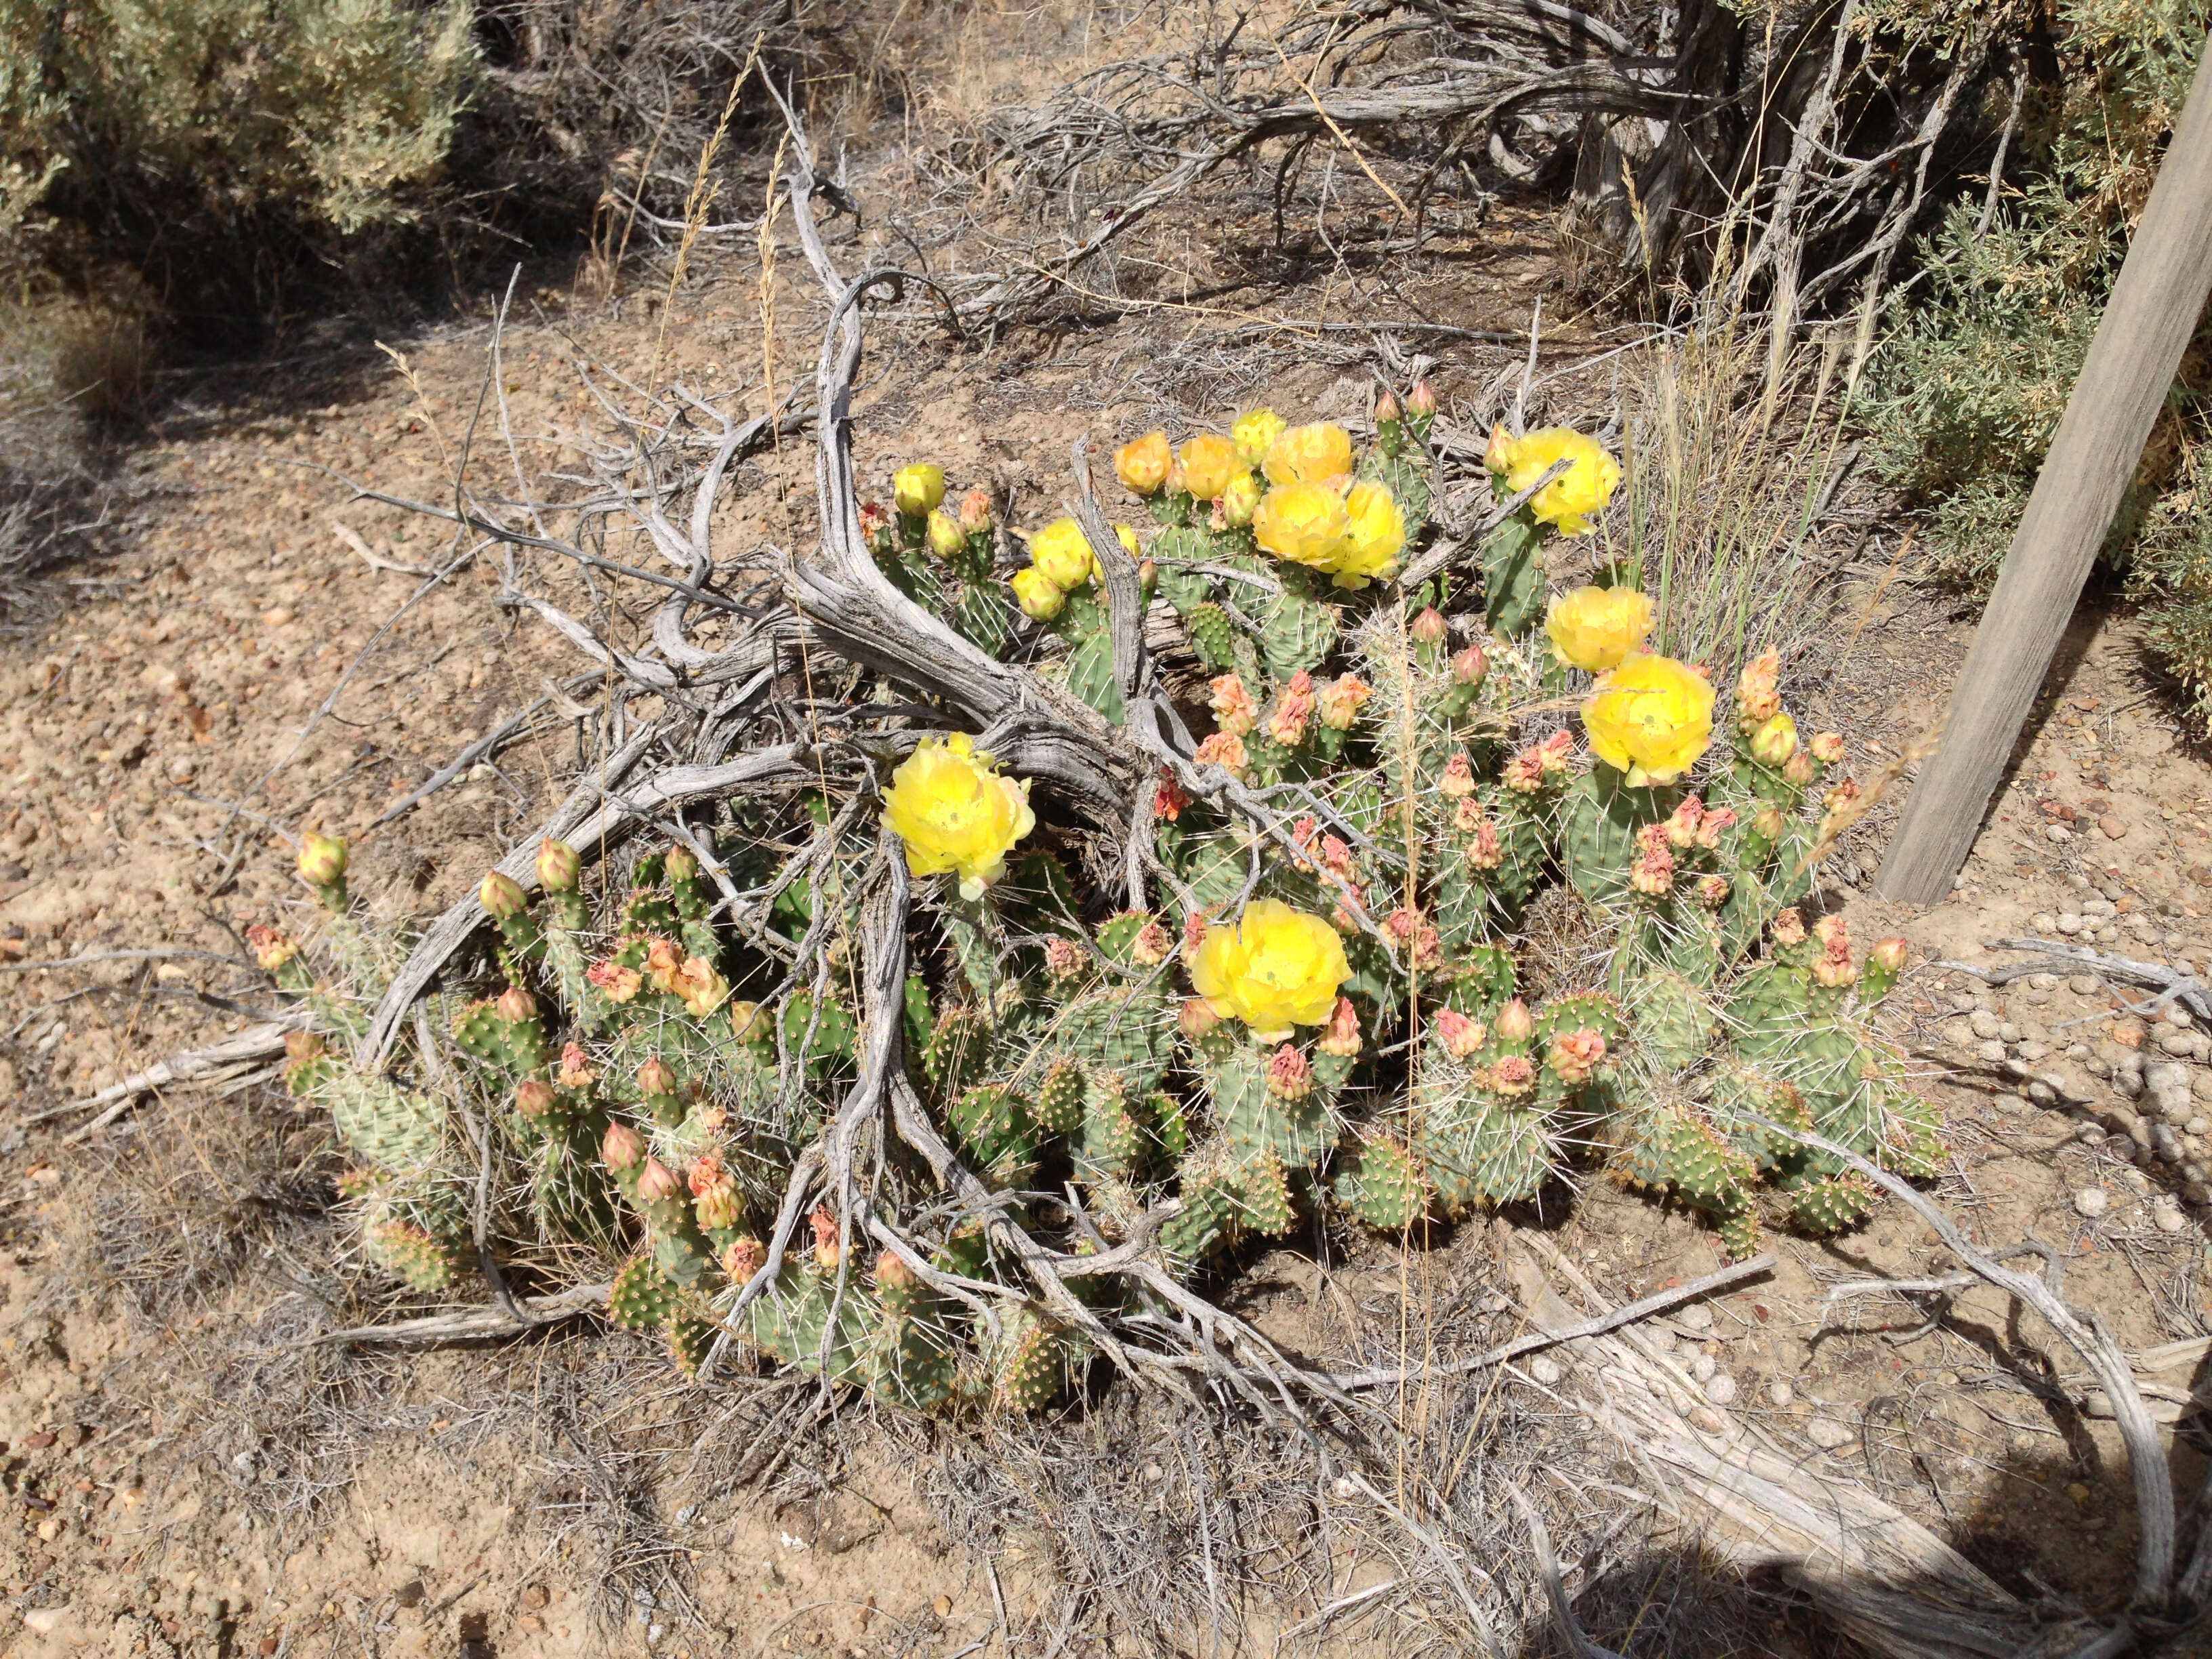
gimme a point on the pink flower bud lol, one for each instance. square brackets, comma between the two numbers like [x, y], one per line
[1290, 1077]
[1386, 409]
[1462, 1036]
[975, 513]
[1827, 747]
[1470, 667]
[515, 1004]
[576, 1071]
[1340, 1036]
[1196, 1018]
[1889, 955]
[1430, 628]
[681, 863]
[1421, 401]
[621, 1147]
[655, 1081]
[1577, 1054]
[658, 1181]
[533, 1098]
[1515, 1024]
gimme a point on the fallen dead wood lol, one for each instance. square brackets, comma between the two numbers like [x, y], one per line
[470, 1324]
[217, 1063]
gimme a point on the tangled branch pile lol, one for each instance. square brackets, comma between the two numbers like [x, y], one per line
[975, 1008]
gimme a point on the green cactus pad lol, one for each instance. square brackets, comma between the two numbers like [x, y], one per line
[1673, 1146]
[1090, 673]
[1254, 1120]
[1383, 1185]
[1828, 1204]
[1262, 1188]
[1214, 635]
[1295, 633]
[1739, 1233]
[427, 1263]
[1672, 1022]
[642, 1298]
[1209, 1208]
[1112, 1139]
[1031, 1367]
[993, 1127]
[1060, 1098]
[690, 1339]
[1599, 824]
[393, 1129]
[1513, 573]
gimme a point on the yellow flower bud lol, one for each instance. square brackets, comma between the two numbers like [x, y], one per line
[1650, 718]
[1568, 502]
[1774, 742]
[1377, 535]
[1063, 553]
[954, 811]
[1038, 594]
[918, 489]
[1276, 969]
[1128, 537]
[1310, 454]
[1240, 500]
[1304, 523]
[946, 537]
[1254, 433]
[322, 860]
[1142, 463]
[1210, 462]
[1598, 627]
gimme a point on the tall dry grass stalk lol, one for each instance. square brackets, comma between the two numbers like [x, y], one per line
[1724, 489]
[704, 189]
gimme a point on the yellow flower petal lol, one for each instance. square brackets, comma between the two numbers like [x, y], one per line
[1567, 502]
[1650, 718]
[1598, 627]
[1063, 553]
[918, 489]
[955, 813]
[1276, 969]
[1310, 454]
[1304, 523]
[1210, 465]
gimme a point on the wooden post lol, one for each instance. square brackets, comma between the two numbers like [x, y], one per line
[2147, 324]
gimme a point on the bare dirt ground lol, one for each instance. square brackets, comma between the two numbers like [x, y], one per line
[189, 1471]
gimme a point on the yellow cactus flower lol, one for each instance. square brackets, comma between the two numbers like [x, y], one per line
[1567, 502]
[1063, 553]
[1304, 523]
[918, 489]
[1276, 969]
[1210, 465]
[1038, 594]
[953, 810]
[1598, 627]
[1310, 454]
[1650, 718]
[1378, 536]
[1142, 463]
[1128, 537]
[1254, 433]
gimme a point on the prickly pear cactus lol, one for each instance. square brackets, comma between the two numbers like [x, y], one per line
[1321, 980]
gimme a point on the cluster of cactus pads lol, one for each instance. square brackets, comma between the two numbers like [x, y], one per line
[661, 1040]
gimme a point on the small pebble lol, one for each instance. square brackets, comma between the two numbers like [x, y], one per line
[2113, 828]
[1703, 1367]
[1827, 1433]
[1779, 1394]
[1705, 1420]
[1721, 1388]
[1545, 1369]
[2058, 832]
[2070, 923]
[2082, 985]
[2092, 1201]
[2167, 1218]
[1695, 1317]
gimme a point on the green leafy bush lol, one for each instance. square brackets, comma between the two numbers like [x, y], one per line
[331, 110]
[1967, 388]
